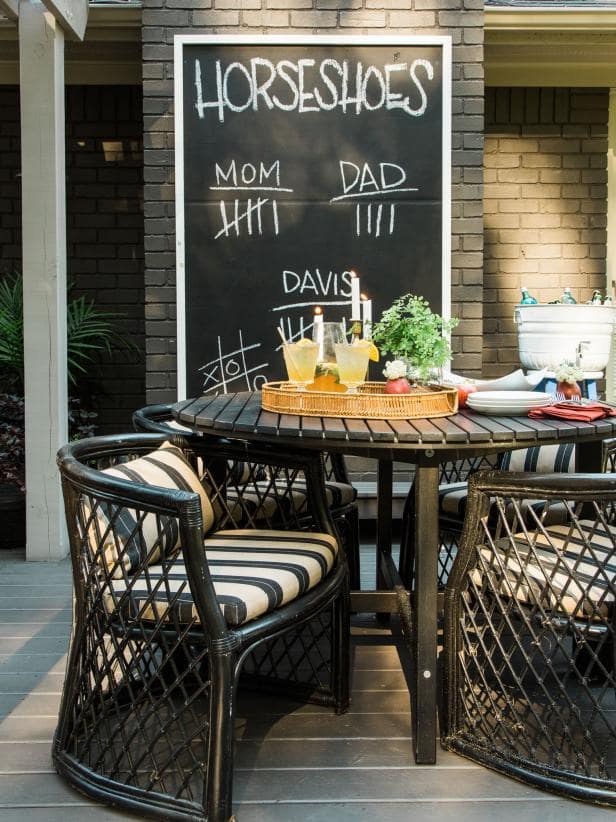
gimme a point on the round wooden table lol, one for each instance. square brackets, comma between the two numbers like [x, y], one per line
[426, 443]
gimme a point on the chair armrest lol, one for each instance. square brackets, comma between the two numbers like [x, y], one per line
[609, 456]
[118, 529]
[538, 486]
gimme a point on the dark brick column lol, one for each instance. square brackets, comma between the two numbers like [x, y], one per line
[104, 165]
[462, 19]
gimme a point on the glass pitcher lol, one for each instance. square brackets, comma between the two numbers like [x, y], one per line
[328, 335]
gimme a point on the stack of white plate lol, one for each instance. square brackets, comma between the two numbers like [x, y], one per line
[507, 402]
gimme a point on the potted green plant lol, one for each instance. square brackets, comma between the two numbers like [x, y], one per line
[89, 332]
[410, 331]
[12, 472]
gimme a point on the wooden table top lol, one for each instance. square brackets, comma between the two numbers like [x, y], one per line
[240, 414]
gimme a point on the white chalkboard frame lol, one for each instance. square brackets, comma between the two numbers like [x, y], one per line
[181, 40]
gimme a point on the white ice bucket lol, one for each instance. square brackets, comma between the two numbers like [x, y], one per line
[549, 334]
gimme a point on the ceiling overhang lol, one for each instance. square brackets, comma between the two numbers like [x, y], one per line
[550, 46]
[538, 46]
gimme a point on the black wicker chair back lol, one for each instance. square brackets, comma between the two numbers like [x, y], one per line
[160, 632]
[340, 493]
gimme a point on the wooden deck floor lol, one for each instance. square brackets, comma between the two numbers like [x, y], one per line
[293, 763]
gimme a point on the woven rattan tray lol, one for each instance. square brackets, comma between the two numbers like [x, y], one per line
[369, 402]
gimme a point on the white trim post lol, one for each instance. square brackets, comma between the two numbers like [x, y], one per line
[41, 48]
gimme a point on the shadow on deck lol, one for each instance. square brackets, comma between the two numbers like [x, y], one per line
[293, 762]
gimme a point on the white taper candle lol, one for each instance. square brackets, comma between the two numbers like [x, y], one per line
[317, 330]
[355, 297]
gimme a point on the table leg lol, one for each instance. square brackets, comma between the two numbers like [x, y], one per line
[383, 519]
[588, 460]
[425, 611]
[589, 457]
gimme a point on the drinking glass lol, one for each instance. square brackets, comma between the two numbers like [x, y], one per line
[352, 360]
[300, 359]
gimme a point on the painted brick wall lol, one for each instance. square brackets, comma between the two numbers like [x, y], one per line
[104, 223]
[545, 206]
[10, 185]
[463, 19]
[105, 231]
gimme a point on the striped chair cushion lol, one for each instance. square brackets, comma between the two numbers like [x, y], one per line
[452, 498]
[128, 538]
[544, 459]
[253, 571]
[560, 572]
[540, 459]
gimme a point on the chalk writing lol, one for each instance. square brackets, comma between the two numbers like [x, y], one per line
[363, 182]
[317, 282]
[370, 223]
[225, 370]
[248, 177]
[252, 216]
[308, 85]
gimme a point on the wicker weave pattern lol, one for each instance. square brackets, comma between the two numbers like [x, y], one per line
[369, 402]
[158, 419]
[530, 633]
[147, 713]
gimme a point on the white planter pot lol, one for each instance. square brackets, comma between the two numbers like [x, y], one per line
[549, 334]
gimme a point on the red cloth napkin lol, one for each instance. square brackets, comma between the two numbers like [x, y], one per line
[574, 411]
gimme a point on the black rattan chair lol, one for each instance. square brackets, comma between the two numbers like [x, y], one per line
[453, 496]
[341, 495]
[530, 681]
[169, 613]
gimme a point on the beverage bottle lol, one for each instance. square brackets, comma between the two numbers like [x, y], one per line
[568, 297]
[527, 298]
[596, 297]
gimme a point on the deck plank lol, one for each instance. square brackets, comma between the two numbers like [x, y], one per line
[293, 761]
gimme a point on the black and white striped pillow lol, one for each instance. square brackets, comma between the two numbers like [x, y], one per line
[125, 537]
[541, 459]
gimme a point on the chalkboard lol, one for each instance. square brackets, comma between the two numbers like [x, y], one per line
[299, 160]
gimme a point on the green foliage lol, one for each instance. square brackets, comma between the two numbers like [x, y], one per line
[12, 333]
[410, 331]
[89, 332]
[12, 441]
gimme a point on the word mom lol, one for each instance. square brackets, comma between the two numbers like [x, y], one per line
[248, 175]
[255, 214]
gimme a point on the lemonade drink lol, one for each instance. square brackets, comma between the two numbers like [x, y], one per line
[300, 359]
[352, 360]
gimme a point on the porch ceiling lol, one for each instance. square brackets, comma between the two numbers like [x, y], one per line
[525, 45]
[531, 45]
[109, 55]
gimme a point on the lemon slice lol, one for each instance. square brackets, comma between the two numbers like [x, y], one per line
[373, 355]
